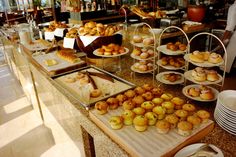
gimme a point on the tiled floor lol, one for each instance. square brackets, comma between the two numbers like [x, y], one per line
[22, 132]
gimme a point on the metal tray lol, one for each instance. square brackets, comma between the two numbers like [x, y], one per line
[75, 90]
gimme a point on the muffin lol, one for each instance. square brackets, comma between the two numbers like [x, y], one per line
[157, 101]
[204, 115]
[147, 105]
[121, 98]
[178, 102]
[139, 90]
[147, 87]
[128, 117]
[138, 100]
[140, 123]
[101, 107]
[163, 126]
[189, 107]
[182, 114]
[184, 128]
[147, 96]
[195, 120]
[139, 110]
[152, 118]
[116, 122]
[113, 103]
[130, 93]
[167, 96]
[172, 119]
[157, 91]
[128, 105]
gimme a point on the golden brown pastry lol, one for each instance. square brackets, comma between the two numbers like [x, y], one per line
[138, 100]
[215, 58]
[116, 122]
[113, 103]
[95, 93]
[139, 110]
[101, 107]
[194, 92]
[128, 105]
[137, 39]
[184, 128]
[212, 76]
[140, 123]
[172, 119]
[147, 96]
[204, 115]
[128, 117]
[148, 105]
[163, 126]
[195, 120]
[182, 114]
[139, 90]
[121, 98]
[129, 93]
[206, 93]
[199, 74]
[152, 118]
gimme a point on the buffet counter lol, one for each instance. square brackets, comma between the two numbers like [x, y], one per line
[56, 105]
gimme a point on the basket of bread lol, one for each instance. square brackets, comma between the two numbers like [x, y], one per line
[55, 30]
[93, 35]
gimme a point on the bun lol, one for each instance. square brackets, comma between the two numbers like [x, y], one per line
[148, 105]
[172, 119]
[194, 92]
[177, 101]
[204, 115]
[148, 41]
[140, 123]
[128, 117]
[130, 93]
[189, 107]
[139, 110]
[121, 98]
[215, 58]
[163, 126]
[139, 90]
[199, 74]
[136, 51]
[144, 55]
[138, 100]
[147, 87]
[206, 94]
[182, 47]
[113, 103]
[184, 128]
[101, 107]
[167, 96]
[196, 58]
[152, 118]
[181, 114]
[137, 39]
[116, 122]
[212, 76]
[128, 105]
[196, 121]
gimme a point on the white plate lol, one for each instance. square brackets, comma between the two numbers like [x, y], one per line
[160, 77]
[226, 129]
[204, 64]
[185, 89]
[229, 115]
[140, 44]
[188, 75]
[142, 72]
[193, 147]
[166, 51]
[228, 121]
[224, 124]
[227, 99]
[169, 67]
[126, 51]
[138, 57]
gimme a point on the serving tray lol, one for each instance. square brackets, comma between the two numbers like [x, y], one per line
[149, 143]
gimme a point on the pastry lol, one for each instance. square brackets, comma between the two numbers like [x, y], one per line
[101, 107]
[139, 110]
[121, 98]
[95, 93]
[143, 68]
[199, 74]
[189, 107]
[157, 91]
[113, 103]
[182, 47]
[128, 105]
[193, 91]
[128, 117]
[182, 114]
[207, 94]
[172, 77]
[184, 128]
[116, 122]
[147, 96]
[138, 100]
[166, 96]
[148, 41]
[152, 118]
[137, 51]
[173, 48]
[157, 101]
[212, 76]
[147, 87]
[129, 93]
[215, 58]
[140, 123]
[195, 120]
[172, 119]
[163, 126]
[139, 90]
[204, 115]
[144, 55]
[169, 106]
[147, 105]
[137, 39]
[177, 101]
[168, 45]
[159, 110]
[67, 56]
[197, 57]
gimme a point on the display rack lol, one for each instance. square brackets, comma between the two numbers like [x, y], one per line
[205, 65]
[147, 47]
[171, 68]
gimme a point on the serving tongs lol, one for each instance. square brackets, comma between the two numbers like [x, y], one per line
[91, 80]
[103, 76]
[206, 148]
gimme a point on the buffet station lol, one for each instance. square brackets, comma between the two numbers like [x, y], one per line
[160, 101]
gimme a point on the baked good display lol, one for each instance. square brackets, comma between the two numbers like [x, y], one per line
[97, 29]
[200, 92]
[72, 33]
[110, 50]
[142, 53]
[68, 56]
[170, 62]
[55, 24]
[116, 122]
[143, 66]
[158, 14]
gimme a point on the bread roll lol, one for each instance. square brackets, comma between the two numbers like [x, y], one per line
[163, 126]
[140, 123]
[184, 128]
[116, 122]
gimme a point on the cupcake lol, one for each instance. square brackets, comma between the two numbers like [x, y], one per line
[182, 114]
[184, 128]
[189, 107]
[172, 119]
[148, 105]
[204, 115]
[152, 118]
[128, 117]
[140, 123]
[128, 105]
[195, 120]
[116, 122]
[163, 126]
[139, 110]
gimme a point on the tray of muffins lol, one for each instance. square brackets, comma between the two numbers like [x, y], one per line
[147, 121]
[204, 59]
[177, 48]
[200, 92]
[203, 76]
[91, 84]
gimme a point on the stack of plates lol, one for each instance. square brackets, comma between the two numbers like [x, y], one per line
[225, 111]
